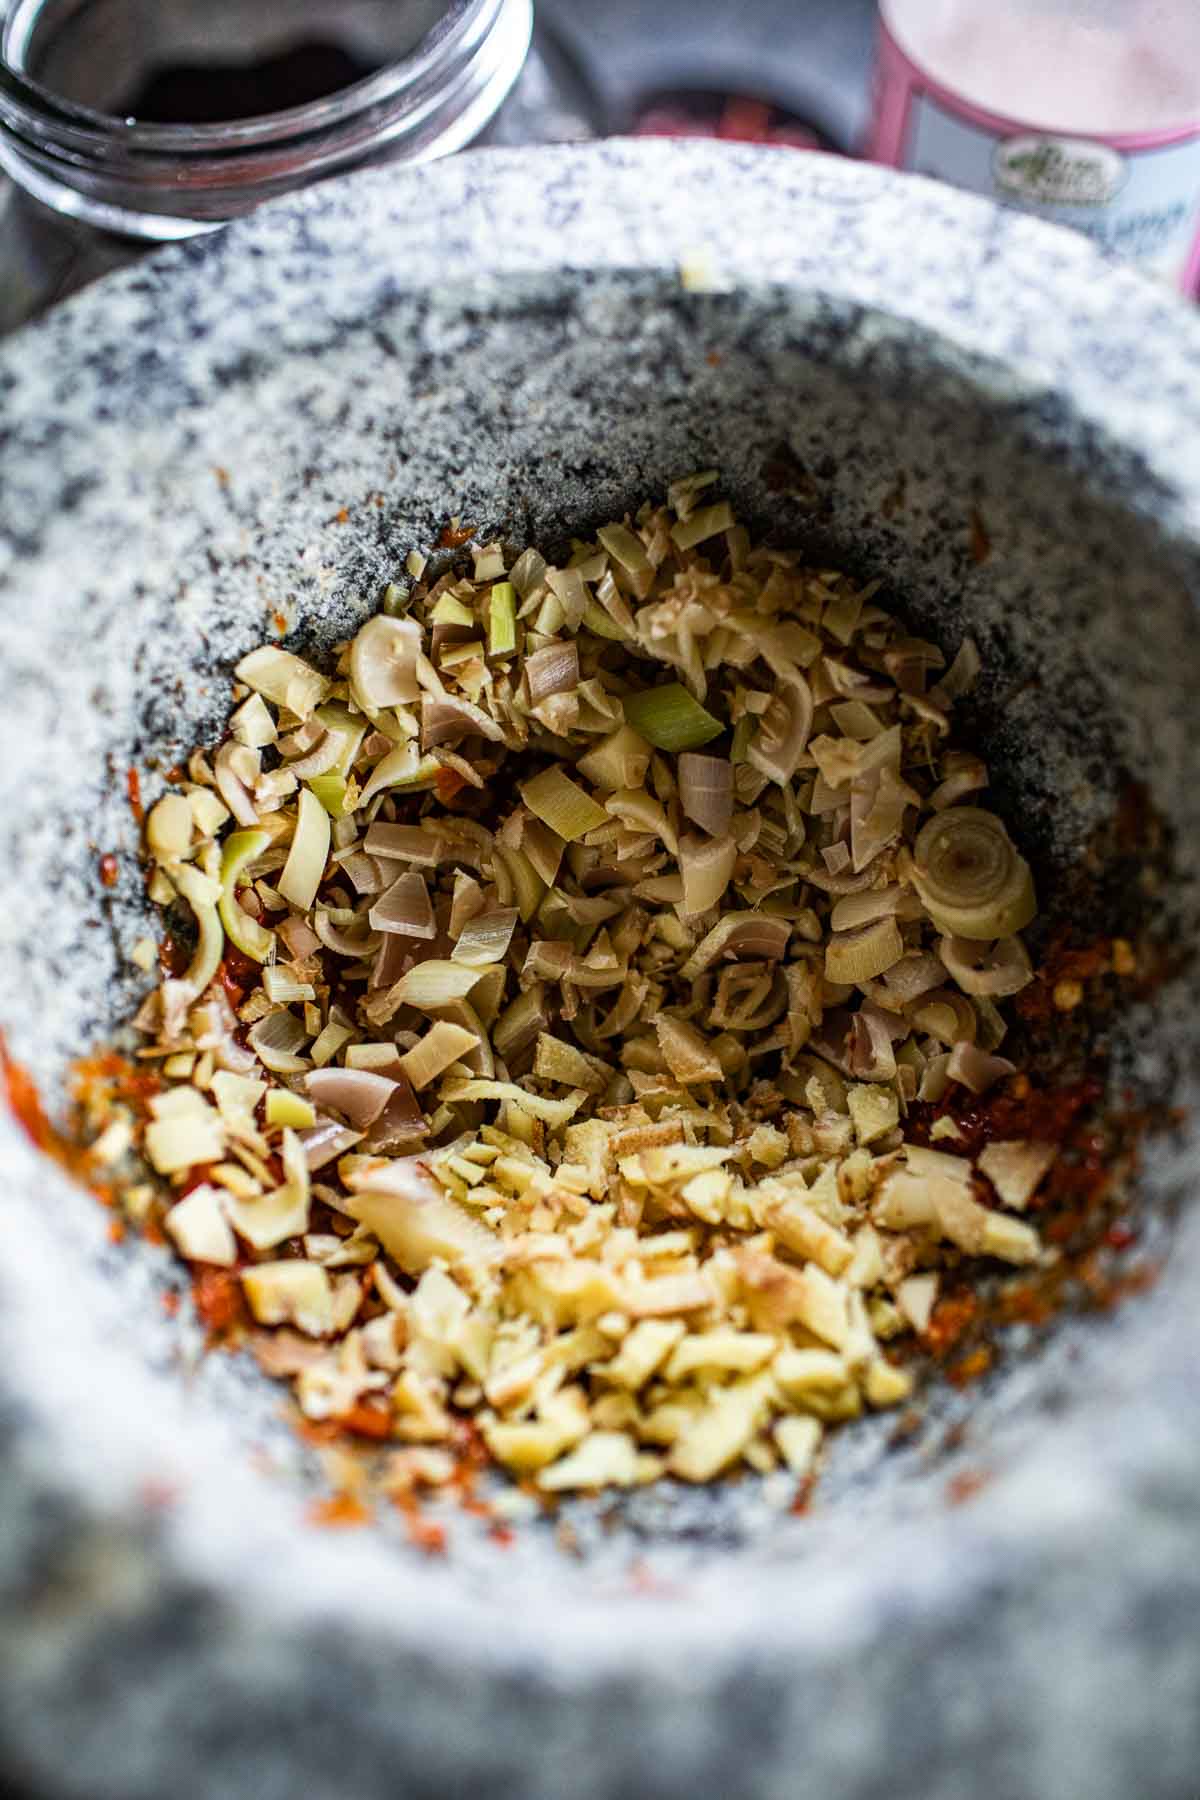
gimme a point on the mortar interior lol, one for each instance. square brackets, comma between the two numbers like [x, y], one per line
[544, 410]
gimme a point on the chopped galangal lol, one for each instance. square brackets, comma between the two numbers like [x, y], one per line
[567, 961]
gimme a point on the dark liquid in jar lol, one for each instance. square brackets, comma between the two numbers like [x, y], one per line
[215, 93]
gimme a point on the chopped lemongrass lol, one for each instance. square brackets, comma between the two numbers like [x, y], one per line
[489, 562]
[169, 827]
[528, 888]
[332, 1039]
[309, 852]
[383, 663]
[454, 655]
[405, 908]
[485, 938]
[284, 679]
[399, 768]
[251, 938]
[606, 1043]
[706, 791]
[330, 790]
[502, 619]
[706, 865]
[626, 549]
[276, 1041]
[348, 728]
[670, 718]
[570, 590]
[618, 761]
[280, 985]
[519, 1024]
[705, 523]
[183, 1140]
[199, 893]
[253, 725]
[562, 805]
[293, 1110]
[602, 624]
[853, 957]
[970, 877]
[434, 983]
[442, 1045]
[553, 670]
[449, 611]
[743, 731]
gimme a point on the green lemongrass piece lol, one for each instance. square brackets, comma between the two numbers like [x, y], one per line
[528, 886]
[293, 1110]
[424, 775]
[201, 895]
[435, 983]
[453, 655]
[485, 938]
[395, 600]
[544, 848]
[561, 804]
[350, 727]
[626, 549]
[327, 1044]
[502, 620]
[852, 957]
[251, 938]
[330, 790]
[396, 769]
[704, 523]
[449, 611]
[671, 719]
[283, 678]
[598, 622]
[305, 866]
[743, 731]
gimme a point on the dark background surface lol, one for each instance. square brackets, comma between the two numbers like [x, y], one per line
[810, 56]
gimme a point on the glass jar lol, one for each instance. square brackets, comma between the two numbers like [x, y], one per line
[130, 123]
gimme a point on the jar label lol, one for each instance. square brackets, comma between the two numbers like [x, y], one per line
[1136, 195]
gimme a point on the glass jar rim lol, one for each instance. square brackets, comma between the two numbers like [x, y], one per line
[160, 180]
[87, 125]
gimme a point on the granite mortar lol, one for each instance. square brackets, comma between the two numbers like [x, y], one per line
[267, 422]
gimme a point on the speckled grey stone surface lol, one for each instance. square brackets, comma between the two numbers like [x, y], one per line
[268, 422]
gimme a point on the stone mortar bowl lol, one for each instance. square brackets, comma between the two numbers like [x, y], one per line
[266, 423]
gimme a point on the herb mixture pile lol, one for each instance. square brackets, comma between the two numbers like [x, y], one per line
[567, 961]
